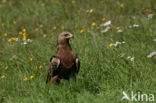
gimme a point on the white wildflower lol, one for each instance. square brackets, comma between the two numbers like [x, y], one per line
[151, 54]
[106, 29]
[121, 55]
[154, 40]
[120, 30]
[132, 58]
[150, 16]
[25, 43]
[29, 40]
[106, 23]
[134, 26]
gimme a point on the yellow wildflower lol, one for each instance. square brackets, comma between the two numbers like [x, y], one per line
[93, 23]
[73, 1]
[5, 34]
[23, 30]
[9, 40]
[102, 2]
[25, 79]
[2, 25]
[103, 19]
[4, 1]
[14, 22]
[20, 33]
[44, 35]
[122, 5]
[24, 37]
[3, 76]
[6, 68]
[62, 27]
[54, 28]
[82, 30]
[117, 28]
[31, 77]
[111, 44]
[36, 29]
[31, 59]
[91, 10]
[40, 67]
[147, 10]
[13, 38]
[97, 27]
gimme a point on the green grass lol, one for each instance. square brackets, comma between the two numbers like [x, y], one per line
[103, 74]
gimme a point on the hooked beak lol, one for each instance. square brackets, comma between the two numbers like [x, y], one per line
[70, 36]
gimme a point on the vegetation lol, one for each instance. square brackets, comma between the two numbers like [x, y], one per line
[112, 39]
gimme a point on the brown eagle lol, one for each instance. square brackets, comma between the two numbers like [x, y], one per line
[65, 63]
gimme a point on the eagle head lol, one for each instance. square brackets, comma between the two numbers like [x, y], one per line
[64, 37]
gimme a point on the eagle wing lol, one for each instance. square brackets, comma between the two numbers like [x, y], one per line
[54, 65]
[77, 62]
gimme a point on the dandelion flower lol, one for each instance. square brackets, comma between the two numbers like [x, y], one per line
[147, 10]
[40, 67]
[31, 77]
[111, 44]
[9, 40]
[20, 33]
[122, 5]
[44, 35]
[62, 27]
[6, 68]
[25, 79]
[5, 34]
[117, 28]
[91, 11]
[14, 22]
[3, 76]
[23, 30]
[73, 1]
[4, 1]
[13, 38]
[54, 28]
[102, 2]
[93, 24]
[31, 59]
[103, 19]
[2, 25]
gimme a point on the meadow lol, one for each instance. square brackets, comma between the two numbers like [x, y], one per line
[113, 40]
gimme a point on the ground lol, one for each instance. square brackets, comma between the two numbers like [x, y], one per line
[113, 60]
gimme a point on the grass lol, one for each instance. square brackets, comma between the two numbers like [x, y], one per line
[103, 74]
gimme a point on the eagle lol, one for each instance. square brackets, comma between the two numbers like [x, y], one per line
[65, 64]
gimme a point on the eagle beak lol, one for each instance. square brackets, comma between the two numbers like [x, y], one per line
[70, 36]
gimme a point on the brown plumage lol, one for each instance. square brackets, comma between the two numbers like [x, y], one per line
[65, 64]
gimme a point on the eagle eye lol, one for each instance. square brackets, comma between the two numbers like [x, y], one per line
[66, 34]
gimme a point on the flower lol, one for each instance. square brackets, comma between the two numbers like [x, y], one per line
[91, 11]
[31, 59]
[134, 26]
[103, 19]
[14, 22]
[24, 37]
[20, 33]
[106, 29]
[31, 77]
[73, 1]
[151, 54]
[117, 28]
[93, 23]
[147, 10]
[82, 30]
[6, 68]
[106, 23]
[4, 1]
[2, 25]
[44, 35]
[40, 67]
[102, 2]
[5, 34]
[62, 27]
[23, 30]
[9, 40]
[25, 79]
[3, 76]
[122, 5]
[54, 28]
[111, 44]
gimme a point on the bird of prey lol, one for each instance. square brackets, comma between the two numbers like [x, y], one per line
[65, 63]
